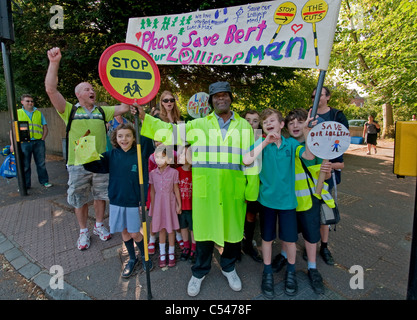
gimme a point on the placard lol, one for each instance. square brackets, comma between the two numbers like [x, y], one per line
[328, 140]
[129, 73]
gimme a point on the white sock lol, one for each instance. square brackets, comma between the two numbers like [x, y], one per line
[84, 230]
[162, 250]
[178, 236]
[171, 250]
[152, 239]
[99, 224]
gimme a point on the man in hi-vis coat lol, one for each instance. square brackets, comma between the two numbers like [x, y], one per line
[221, 183]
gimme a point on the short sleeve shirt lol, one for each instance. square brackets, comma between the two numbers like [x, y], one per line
[186, 189]
[277, 177]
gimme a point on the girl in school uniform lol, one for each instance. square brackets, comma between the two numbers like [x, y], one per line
[124, 194]
[165, 205]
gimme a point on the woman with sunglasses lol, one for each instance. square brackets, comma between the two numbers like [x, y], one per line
[169, 111]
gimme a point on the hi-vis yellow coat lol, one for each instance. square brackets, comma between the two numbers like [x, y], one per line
[221, 183]
[303, 183]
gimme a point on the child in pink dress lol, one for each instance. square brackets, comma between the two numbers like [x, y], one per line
[152, 237]
[165, 205]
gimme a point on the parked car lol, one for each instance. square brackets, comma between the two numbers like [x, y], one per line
[356, 123]
[356, 130]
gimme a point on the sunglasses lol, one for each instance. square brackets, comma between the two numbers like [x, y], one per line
[168, 100]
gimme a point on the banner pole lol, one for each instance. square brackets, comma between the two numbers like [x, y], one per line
[318, 94]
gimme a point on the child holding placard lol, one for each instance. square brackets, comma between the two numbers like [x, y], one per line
[277, 195]
[308, 209]
[327, 113]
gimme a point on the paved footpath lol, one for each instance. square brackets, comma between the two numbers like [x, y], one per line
[38, 233]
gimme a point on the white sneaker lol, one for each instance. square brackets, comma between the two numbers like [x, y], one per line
[102, 232]
[194, 286]
[83, 242]
[234, 280]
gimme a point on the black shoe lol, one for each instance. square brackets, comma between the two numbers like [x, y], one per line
[268, 285]
[327, 256]
[193, 257]
[185, 254]
[279, 262]
[129, 268]
[252, 252]
[291, 286]
[305, 257]
[316, 281]
[147, 264]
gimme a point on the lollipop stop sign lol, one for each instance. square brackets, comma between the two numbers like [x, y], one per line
[129, 73]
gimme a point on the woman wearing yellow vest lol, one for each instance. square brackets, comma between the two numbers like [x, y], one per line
[36, 146]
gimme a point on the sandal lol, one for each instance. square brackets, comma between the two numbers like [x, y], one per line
[151, 248]
[162, 263]
[180, 243]
[171, 262]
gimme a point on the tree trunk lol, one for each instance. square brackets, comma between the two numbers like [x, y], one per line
[388, 126]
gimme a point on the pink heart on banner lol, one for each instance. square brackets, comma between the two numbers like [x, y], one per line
[138, 35]
[296, 27]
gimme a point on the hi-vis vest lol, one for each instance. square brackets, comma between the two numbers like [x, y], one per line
[35, 124]
[221, 183]
[302, 190]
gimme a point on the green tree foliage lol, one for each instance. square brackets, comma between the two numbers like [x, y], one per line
[375, 47]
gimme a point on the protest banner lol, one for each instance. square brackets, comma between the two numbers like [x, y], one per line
[296, 34]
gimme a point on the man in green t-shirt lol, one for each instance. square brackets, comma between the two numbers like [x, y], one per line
[87, 120]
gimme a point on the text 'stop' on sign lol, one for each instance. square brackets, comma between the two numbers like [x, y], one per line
[129, 73]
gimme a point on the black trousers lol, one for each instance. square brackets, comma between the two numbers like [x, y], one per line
[204, 251]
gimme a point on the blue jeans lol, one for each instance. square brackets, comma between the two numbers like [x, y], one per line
[37, 148]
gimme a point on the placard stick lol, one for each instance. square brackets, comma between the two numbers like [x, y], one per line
[321, 179]
[320, 82]
[317, 96]
[138, 127]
